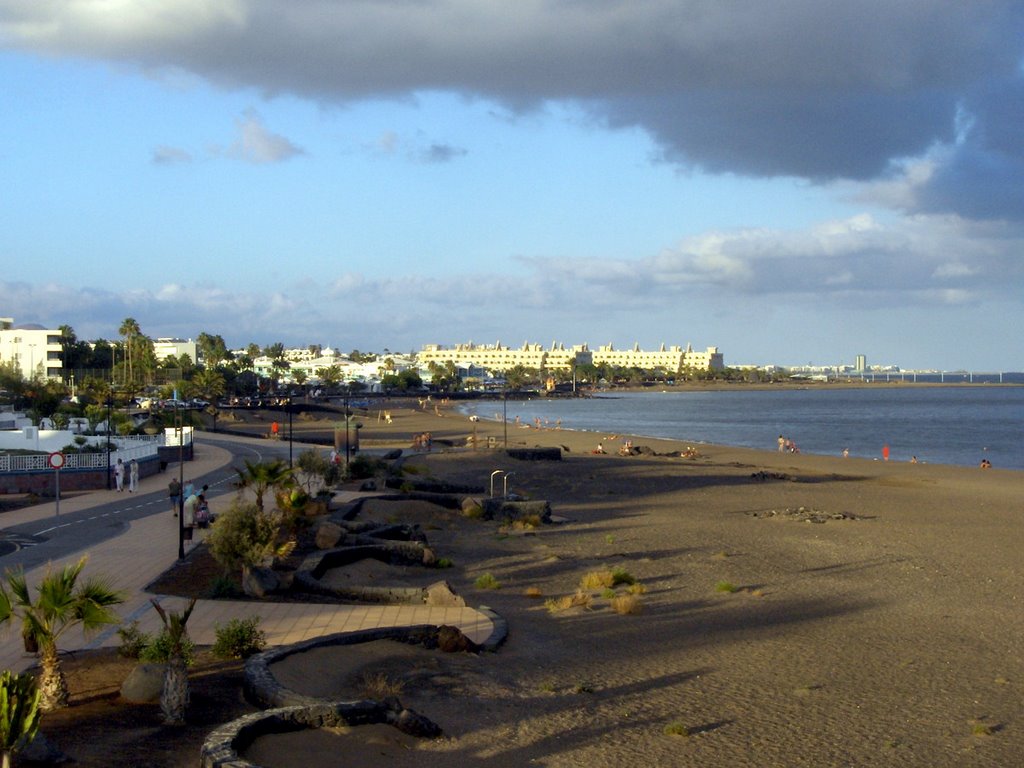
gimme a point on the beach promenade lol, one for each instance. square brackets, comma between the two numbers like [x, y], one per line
[148, 547]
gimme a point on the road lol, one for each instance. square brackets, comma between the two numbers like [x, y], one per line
[36, 543]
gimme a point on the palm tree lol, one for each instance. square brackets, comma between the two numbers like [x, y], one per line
[263, 475]
[62, 603]
[129, 329]
[175, 694]
[19, 713]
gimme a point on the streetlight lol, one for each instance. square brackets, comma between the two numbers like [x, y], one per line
[288, 405]
[180, 428]
[110, 415]
[504, 412]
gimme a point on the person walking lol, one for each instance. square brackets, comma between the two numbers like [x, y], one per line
[133, 476]
[119, 475]
[174, 494]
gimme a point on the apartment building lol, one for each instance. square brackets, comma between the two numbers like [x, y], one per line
[34, 349]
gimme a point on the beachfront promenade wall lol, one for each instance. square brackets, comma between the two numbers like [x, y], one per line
[33, 473]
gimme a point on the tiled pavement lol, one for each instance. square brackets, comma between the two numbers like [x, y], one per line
[137, 557]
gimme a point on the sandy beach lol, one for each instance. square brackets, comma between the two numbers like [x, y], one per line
[796, 610]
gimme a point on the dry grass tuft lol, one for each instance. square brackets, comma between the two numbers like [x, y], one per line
[378, 686]
[578, 600]
[627, 604]
[533, 592]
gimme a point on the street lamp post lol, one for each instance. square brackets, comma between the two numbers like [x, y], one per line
[288, 405]
[110, 415]
[179, 424]
[504, 412]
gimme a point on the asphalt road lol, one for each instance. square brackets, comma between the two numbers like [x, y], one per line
[33, 544]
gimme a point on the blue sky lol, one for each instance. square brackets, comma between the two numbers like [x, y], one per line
[795, 182]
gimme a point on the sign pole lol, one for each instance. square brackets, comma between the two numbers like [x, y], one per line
[56, 461]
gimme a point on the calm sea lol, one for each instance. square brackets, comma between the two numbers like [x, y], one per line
[945, 425]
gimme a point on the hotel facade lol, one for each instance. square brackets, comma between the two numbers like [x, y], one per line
[498, 357]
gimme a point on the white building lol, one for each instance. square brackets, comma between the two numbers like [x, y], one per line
[558, 356]
[164, 348]
[35, 350]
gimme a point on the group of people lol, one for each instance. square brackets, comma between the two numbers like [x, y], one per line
[195, 510]
[422, 441]
[133, 475]
[787, 445]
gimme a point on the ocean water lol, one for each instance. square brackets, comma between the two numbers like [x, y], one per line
[944, 425]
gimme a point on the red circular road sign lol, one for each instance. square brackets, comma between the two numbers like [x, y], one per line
[56, 460]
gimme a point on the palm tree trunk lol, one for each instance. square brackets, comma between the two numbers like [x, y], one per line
[52, 683]
[175, 695]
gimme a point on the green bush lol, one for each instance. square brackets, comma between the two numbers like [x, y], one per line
[362, 467]
[19, 712]
[243, 536]
[239, 639]
[133, 640]
[158, 651]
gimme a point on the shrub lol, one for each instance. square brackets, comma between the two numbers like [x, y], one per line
[362, 467]
[239, 639]
[158, 651]
[622, 576]
[677, 729]
[19, 712]
[626, 604]
[243, 536]
[486, 581]
[222, 588]
[533, 592]
[133, 640]
[725, 586]
[443, 562]
[636, 588]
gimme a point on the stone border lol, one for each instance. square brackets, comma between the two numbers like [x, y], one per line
[262, 688]
[222, 746]
[307, 577]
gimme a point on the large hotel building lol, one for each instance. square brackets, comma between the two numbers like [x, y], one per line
[498, 357]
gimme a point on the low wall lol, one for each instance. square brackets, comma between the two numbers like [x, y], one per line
[43, 482]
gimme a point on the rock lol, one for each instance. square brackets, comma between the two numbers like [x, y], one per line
[441, 594]
[329, 535]
[144, 684]
[451, 640]
[417, 725]
[429, 558]
[259, 581]
[471, 507]
[368, 485]
[42, 751]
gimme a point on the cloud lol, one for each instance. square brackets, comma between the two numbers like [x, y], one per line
[164, 155]
[790, 88]
[441, 153]
[255, 144]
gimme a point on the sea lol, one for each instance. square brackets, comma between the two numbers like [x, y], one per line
[958, 425]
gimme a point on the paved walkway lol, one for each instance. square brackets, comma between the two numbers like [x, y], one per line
[148, 547]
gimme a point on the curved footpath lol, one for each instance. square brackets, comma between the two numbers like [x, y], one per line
[148, 547]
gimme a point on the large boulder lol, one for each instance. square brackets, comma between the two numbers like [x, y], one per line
[441, 595]
[329, 535]
[144, 684]
[259, 581]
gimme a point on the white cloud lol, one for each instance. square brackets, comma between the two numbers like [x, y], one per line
[255, 144]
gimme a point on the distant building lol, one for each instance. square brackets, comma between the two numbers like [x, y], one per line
[558, 356]
[861, 364]
[165, 348]
[35, 350]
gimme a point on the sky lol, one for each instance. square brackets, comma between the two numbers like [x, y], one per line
[795, 182]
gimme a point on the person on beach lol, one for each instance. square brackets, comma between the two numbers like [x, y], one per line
[846, 453]
[885, 452]
[133, 476]
[119, 475]
[174, 494]
[986, 464]
[600, 448]
[782, 444]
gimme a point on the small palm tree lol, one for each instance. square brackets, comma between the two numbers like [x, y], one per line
[19, 713]
[260, 476]
[62, 603]
[175, 694]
